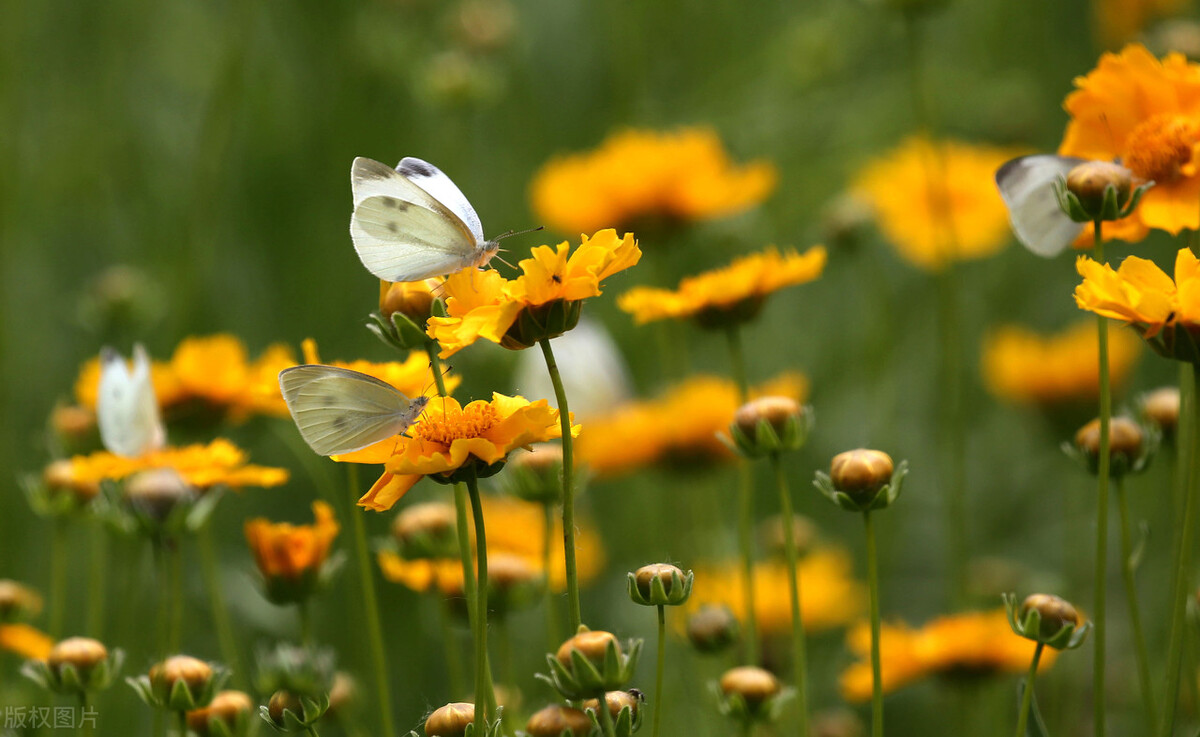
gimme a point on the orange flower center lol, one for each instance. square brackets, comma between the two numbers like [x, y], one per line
[1159, 146]
[444, 428]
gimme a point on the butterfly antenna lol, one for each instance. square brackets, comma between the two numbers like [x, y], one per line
[511, 233]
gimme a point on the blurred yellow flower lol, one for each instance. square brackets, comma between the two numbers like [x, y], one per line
[977, 643]
[937, 202]
[680, 427]
[829, 595]
[514, 527]
[1024, 366]
[287, 551]
[412, 376]
[1120, 20]
[1145, 113]
[26, 641]
[202, 466]
[542, 302]
[448, 436]
[732, 293]
[638, 175]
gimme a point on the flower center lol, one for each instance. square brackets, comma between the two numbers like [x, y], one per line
[1159, 146]
[450, 425]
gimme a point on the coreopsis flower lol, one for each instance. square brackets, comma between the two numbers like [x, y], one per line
[1138, 293]
[544, 302]
[1145, 113]
[978, 643]
[935, 202]
[637, 176]
[450, 437]
[291, 557]
[18, 602]
[681, 427]
[728, 295]
[832, 598]
[26, 641]
[202, 466]
[514, 528]
[1024, 366]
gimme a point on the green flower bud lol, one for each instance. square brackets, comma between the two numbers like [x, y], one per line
[660, 584]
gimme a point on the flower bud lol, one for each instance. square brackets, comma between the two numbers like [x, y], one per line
[554, 720]
[74, 425]
[232, 709]
[535, 476]
[155, 493]
[343, 693]
[18, 603]
[591, 644]
[591, 663]
[769, 425]
[804, 534]
[748, 692]
[1090, 181]
[413, 300]
[1161, 407]
[513, 583]
[426, 530]
[616, 701]
[60, 480]
[861, 473]
[1055, 613]
[282, 701]
[837, 723]
[712, 628]
[1047, 620]
[81, 653]
[660, 584]
[450, 720]
[485, 25]
[181, 683]
[1126, 442]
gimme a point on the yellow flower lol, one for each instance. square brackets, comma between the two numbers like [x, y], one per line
[831, 597]
[202, 466]
[936, 202]
[26, 641]
[412, 376]
[448, 436]
[679, 427]
[1121, 20]
[513, 528]
[638, 175]
[541, 303]
[1023, 366]
[972, 642]
[1146, 114]
[285, 551]
[735, 292]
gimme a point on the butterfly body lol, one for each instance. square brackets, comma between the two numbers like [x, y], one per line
[413, 222]
[340, 411]
[126, 408]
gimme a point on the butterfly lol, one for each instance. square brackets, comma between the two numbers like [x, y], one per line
[412, 222]
[126, 409]
[1026, 185]
[340, 411]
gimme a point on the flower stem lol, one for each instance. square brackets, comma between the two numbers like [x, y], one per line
[1135, 615]
[58, 575]
[876, 668]
[1188, 411]
[658, 674]
[216, 602]
[370, 607]
[483, 678]
[89, 726]
[746, 542]
[606, 721]
[799, 658]
[568, 496]
[1027, 697]
[183, 727]
[1098, 617]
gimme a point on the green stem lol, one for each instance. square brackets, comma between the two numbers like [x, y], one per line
[370, 606]
[312, 730]
[183, 727]
[1183, 554]
[606, 721]
[568, 496]
[553, 636]
[97, 580]
[1027, 697]
[89, 726]
[435, 367]
[746, 543]
[876, 668]
[1099, 699]
[1135, 615]
[58, 576]
[216, 602]
[453, 653]
[658, 673]
[799, 658]
[483, 677]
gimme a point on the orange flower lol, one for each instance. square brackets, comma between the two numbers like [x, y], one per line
[541, 303]
[638, 174]
[26, 641]
[935, 201]
[733, 292]
[1145, 113]
[202, 466]
[682, 426]
[1024, 366]
[972, 642]
[282, 550]
[448, 437]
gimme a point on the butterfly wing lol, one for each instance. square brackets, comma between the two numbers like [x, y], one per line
[1026, 185]
[340, 411]
[431, 179]
[126, 409]
[400, 231]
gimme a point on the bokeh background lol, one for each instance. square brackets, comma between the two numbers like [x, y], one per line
[197, 154]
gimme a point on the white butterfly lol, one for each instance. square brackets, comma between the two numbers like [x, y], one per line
[1027, 187]
[126, 408]
[412, 222]
[340, 411]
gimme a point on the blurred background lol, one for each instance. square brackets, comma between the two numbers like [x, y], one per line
[181, 168]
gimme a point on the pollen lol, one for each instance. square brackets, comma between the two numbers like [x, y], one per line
[452, 424]
[1160, 146]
